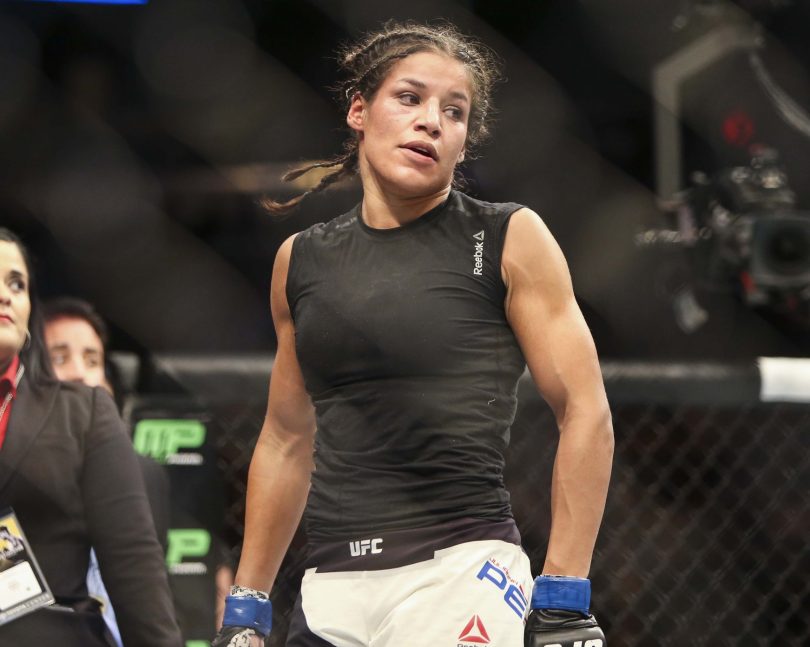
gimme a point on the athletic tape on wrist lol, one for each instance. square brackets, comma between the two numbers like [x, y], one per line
[562, 592]
[248, 612]
[238, 591]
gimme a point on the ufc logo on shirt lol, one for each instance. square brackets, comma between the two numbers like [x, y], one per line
[363, 546]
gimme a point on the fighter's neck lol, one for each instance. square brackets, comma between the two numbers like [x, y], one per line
[382, 210]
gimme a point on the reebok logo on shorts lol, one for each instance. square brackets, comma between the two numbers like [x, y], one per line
[478, 254]
[473, 633]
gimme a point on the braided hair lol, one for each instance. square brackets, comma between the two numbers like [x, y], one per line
[365, 65]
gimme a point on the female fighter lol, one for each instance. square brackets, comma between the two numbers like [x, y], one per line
[403, 327]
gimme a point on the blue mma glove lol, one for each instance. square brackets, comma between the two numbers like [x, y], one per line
[248, 613]
[559, 615]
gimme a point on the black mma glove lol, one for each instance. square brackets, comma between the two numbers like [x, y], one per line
[560, 614]
[247, 613]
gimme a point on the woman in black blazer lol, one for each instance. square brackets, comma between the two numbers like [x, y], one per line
[68, 470]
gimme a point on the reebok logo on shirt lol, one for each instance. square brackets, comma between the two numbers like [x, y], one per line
[478, 254]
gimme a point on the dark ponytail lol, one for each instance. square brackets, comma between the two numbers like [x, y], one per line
[346, 167]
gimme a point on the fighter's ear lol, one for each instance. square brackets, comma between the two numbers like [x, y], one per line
[356, 115]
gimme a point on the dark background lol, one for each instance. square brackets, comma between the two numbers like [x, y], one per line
[135, 142]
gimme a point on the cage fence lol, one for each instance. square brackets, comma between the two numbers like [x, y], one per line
[704, 538]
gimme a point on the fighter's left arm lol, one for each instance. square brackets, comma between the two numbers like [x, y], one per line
[561, 357]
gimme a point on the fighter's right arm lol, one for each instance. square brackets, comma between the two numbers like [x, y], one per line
[279, 476]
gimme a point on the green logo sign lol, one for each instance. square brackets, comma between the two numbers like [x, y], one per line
[162, 439]
[187, 543]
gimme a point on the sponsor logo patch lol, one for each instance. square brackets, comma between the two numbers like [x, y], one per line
[474, 633]
[478, 254]
[363, 546]
[497, 575]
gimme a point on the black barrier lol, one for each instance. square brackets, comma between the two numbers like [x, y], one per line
[178, 433]
[704, 540]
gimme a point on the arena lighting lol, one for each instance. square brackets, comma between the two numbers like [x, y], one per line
[669, 77]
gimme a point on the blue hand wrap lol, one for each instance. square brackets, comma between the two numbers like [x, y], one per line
[562, 592]
[248, 612]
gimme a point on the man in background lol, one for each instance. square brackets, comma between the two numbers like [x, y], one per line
[76, 338]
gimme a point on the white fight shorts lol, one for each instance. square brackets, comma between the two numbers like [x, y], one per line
[464, 584]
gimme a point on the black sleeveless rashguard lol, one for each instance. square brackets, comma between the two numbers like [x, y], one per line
[411, 365]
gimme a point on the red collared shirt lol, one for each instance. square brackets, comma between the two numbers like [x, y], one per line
[8, 384]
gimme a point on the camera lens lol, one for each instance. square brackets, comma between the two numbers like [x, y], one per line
[787, 249]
